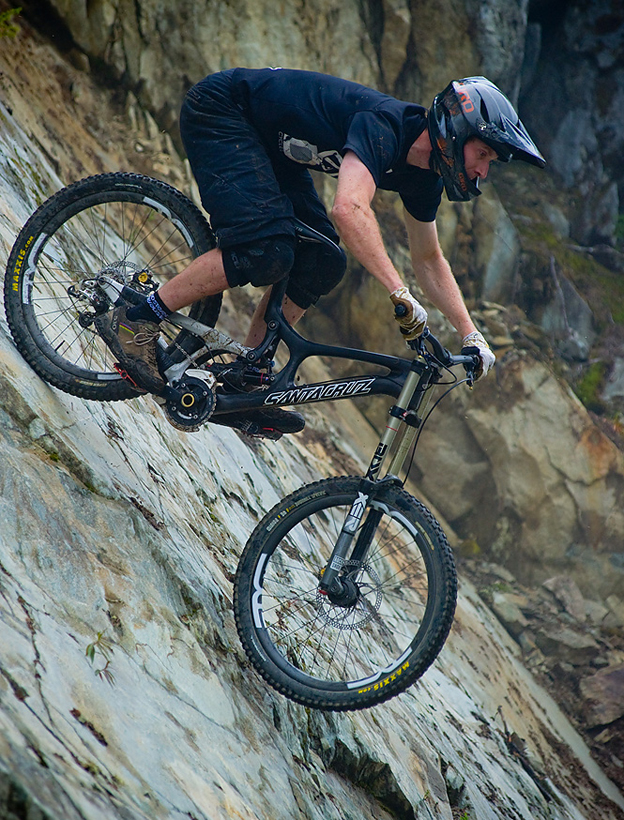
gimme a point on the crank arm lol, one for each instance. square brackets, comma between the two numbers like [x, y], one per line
[212, 338]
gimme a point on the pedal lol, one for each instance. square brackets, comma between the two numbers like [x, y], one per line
[248, 427]
[256, 431]
[127, 377]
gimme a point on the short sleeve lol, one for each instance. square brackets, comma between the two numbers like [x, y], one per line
[423, 201]
[374, 141]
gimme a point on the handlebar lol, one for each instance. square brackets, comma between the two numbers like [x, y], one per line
[470, 361]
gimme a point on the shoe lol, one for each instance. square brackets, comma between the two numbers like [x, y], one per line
[135, 346]
[271, 423]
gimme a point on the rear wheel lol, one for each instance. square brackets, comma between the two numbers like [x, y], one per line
[382, 635]
[128, 225]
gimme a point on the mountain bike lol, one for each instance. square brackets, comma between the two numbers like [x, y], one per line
[345, 591]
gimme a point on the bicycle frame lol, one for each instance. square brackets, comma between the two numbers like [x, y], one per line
[407, 380]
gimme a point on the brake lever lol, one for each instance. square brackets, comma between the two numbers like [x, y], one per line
[471, 369]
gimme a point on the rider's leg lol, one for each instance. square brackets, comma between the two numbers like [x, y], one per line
[260, 262]
[239, 190]
[318, 267]
[205, 276]
[131, 332]
[317, 270]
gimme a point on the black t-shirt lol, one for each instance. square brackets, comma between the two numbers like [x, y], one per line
[313, 119]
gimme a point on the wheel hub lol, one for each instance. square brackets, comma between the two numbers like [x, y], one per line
[344, 593]
[358, 601]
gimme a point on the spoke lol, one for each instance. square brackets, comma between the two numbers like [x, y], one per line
[41, 298]
[342, 643]
[59, 314]
[282, 605]
[284, 636]
[75, 234]
[347, 653]
[403, 569]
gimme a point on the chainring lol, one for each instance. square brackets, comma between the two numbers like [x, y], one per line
[196, 403]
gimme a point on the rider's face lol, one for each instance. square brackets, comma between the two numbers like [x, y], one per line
[477, 158]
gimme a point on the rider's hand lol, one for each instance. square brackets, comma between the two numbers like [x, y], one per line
[414, 320]
[476, 340]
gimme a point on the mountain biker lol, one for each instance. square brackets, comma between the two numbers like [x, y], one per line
[251, 136]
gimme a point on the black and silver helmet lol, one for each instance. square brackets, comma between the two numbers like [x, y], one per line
[474, 107]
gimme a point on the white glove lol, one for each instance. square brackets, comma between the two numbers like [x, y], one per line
[414, 321]
[475, 339]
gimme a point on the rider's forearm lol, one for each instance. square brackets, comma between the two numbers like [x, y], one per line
[359, 230]
[436, 279]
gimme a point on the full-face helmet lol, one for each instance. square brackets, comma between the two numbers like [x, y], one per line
[474, 107]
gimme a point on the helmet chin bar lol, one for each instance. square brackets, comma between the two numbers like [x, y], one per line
[474, 107]
[448, 161]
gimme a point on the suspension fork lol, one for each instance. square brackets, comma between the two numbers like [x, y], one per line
[415, 385]
[404, 411]
[332, 582]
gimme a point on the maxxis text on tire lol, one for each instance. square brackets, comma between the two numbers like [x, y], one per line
[344, 657]
[120, 222]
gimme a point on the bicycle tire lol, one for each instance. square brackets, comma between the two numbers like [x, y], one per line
[119, 221]
[344, 658]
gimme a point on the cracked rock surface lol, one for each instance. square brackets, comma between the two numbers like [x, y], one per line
[124, 692]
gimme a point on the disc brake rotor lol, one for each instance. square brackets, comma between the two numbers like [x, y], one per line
[366, 606]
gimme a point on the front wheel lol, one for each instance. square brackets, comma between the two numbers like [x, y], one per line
[371, 646]
[126, 225]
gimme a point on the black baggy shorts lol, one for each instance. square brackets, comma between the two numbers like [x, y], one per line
[249, 197]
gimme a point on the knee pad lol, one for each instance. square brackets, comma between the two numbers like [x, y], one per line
[317, 270]
[261, 262]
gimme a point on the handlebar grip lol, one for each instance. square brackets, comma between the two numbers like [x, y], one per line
[399, 311]
[472, 353]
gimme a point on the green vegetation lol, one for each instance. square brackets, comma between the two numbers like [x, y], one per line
[101, 646]
[602, 288]
[7, 27]
[588, 387]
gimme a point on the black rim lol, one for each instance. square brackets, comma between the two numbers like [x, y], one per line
[116, 231]
[331, 648]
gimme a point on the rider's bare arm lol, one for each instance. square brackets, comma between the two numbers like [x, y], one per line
[359, 229]
[357, 224]
[434, 274]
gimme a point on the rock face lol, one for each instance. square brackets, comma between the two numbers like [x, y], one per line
[537, 481]
[411, 49]
[124, 691]
[123, 688]
[389, 43]
[573, 645]
[572, 101]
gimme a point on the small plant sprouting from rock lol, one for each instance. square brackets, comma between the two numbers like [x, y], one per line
[7, 27]
[103, 648]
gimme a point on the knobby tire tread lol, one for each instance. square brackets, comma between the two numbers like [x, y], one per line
[423, 655]
[101, 184]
